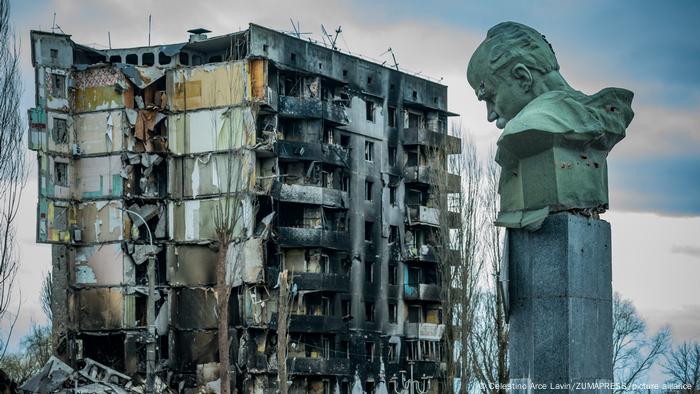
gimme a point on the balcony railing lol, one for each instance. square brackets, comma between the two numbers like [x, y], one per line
[422, 292]
[312, 237]
[430, 176]
[419, 214]
[322, 281]
[428, 331]
[312, 151]
[421, 136]
[423, 252]
[310, 194]
[316, 323]
[319, 366]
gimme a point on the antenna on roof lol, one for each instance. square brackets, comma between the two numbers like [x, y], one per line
[149, 30]
[332, 40]
[296, 32]
[396, 64]
[53, 24]
[109, 39]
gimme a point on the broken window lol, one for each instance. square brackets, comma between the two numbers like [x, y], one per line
[60, 174]
[346, 184]
[115, 59]
[369, 151]
[368, 190]
[392, 195]
[184, 59]
[345, 141]
[60, 218]
[393, 352]
[393, 315]
[54, 55]
[148, 59]
[132, 58]
[391, 116]
[368, 231]
[392, 155]
[60, 131]
[415, 314]
[369, 311]
[345, 349]
[393, 234]
[415, 119]
[58, 85]
[369, 108]
[369, 352]
[369, 386]
[393, 274]
[369, 271]
[414, 95]
[163, 59]
[345, 307]
[293, 57]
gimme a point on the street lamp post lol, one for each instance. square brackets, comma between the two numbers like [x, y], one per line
[411, 386]
[150, 311]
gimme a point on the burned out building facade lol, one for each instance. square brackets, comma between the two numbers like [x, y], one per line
[335, 158]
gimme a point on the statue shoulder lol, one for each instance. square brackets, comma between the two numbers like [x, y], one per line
[563, 112]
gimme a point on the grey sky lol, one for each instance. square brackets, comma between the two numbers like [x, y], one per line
[654, 172]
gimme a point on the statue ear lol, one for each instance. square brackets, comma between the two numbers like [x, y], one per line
[523, 75]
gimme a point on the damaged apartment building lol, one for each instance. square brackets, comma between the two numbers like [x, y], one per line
[333, 160]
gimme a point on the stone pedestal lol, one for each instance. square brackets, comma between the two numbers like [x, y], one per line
[560, 294]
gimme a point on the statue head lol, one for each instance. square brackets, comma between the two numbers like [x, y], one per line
[513, 65]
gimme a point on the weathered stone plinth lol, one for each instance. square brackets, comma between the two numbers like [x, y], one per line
[561, 304]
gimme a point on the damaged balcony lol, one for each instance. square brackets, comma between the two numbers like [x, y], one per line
[322, 281]
[425, 137]
[310, 194]
[319, 366]
[312, 151]
[428, 331]
[317, 324]
[422, 292]
[312, 108]
[422, 215]
[312, 226]
[427, 175]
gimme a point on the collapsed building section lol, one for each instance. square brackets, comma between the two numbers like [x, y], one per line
[334, 161]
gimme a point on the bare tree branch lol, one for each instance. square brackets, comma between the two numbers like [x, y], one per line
[12, 160]
[683, 366]
[633, 353]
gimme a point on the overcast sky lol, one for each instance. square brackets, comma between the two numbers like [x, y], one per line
[649, 47]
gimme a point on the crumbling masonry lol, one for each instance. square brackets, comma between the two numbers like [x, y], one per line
[332, 158]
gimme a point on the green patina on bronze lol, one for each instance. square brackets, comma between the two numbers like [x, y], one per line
[555, 139]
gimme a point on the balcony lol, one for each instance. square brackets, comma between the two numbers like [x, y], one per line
[314, 108]
[429, 176]
[422, 292]
[309, 194]
[37, 129]
[422, 252]
[428, 331]
[292, 237]
[322, 281]
[317, 324]
[312, 151]
[421, 136]
[422, 215]
[299, 107]
[319, 366]
[336, 113]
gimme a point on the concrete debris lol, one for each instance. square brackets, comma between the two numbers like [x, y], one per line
[57, 377]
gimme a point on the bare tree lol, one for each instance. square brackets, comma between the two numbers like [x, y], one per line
[36, 351]
[683, 366]
[458, 251]
[489, 340]
[12, 160]
[633, 352]
[47, 296]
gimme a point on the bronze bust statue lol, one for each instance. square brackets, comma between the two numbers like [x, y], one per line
[555, 139]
